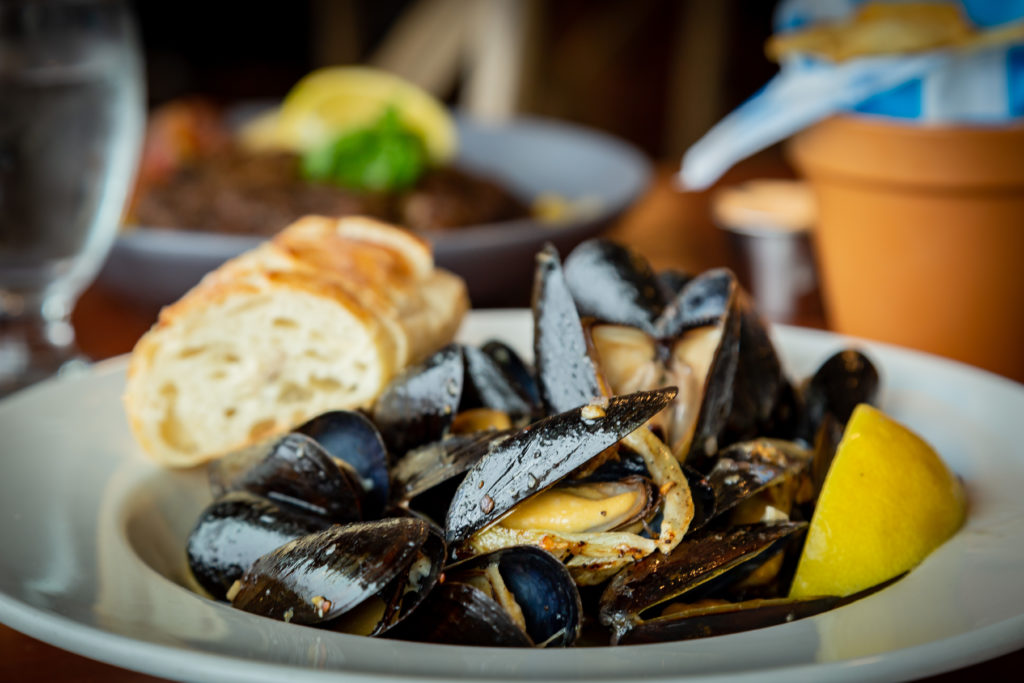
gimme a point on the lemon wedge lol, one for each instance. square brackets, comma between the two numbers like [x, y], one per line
[888, 501]
[336, 100]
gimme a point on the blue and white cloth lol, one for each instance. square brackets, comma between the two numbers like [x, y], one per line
[938, 87]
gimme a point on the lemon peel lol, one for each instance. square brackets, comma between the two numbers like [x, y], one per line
[331, 101]
[887, 502]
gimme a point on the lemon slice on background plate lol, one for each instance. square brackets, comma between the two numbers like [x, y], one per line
[335, 100]
[888, 501]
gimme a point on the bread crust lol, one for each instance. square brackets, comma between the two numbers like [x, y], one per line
[319, 318]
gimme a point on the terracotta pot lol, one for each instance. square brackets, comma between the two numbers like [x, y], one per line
[920, 237]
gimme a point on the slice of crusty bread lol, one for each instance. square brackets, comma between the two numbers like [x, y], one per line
[319, 318]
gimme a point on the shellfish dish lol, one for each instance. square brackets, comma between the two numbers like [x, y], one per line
[650, 474]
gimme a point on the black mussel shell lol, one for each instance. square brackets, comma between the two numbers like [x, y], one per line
[843, 381]
[566, 374]
[744, 469]
[426, 478]
[418, 406]
[296, 470]
[702, 301]
[515, 369]
[625, 464]
[672, 282]
[541, 454]
[409, 589]
[787, 414]
[701, 621]
[543, 589]
[349, 436]
[705, 502]
[458, 612]
[614, 284]
[488, 386]
[717, 389]
[321, 576]
[235, 530]
[698, 560]
[830, 433]
[759, 377]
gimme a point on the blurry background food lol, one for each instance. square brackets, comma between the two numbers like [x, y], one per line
[338, 151]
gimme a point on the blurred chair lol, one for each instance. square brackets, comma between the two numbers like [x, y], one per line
[654, 71]
[435, 42]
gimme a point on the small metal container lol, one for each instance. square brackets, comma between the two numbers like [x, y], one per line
[769, 225]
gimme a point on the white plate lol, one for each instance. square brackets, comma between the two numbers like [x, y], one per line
[90, 532]
[531, 156]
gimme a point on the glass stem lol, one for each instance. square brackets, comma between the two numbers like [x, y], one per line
[36, 339]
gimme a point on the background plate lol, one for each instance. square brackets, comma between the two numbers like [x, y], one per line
[531, 156]
[93, 559]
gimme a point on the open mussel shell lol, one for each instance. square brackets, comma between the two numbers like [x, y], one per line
[321, 576]
[515, 597]
[614, 284]
[541, 454]
[700, 561]
[235, 530]
[418, 406]
[350, 437]
[566, 374]
[705, 347]
[296, 470]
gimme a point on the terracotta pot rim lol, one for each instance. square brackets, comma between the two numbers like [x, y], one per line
[883, 152]
[916, 128]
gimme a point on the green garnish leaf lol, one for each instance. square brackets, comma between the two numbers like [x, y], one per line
[382, 157]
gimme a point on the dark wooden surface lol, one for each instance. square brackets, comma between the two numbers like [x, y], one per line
[672, 229]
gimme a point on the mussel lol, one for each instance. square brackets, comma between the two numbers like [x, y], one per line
[296, 470]
[350, 437]
[699, 572]
[614, 283]
[323, 576]
[423, 405]
[520, 596]
[536, 458]
[567, 373]
[235, 530]
[844, 380]
[417, 407]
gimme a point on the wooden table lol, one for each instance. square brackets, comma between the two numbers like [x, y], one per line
[672, 229]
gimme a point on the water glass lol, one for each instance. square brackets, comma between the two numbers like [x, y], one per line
[71, 123]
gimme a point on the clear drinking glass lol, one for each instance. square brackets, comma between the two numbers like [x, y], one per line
[71, 124]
